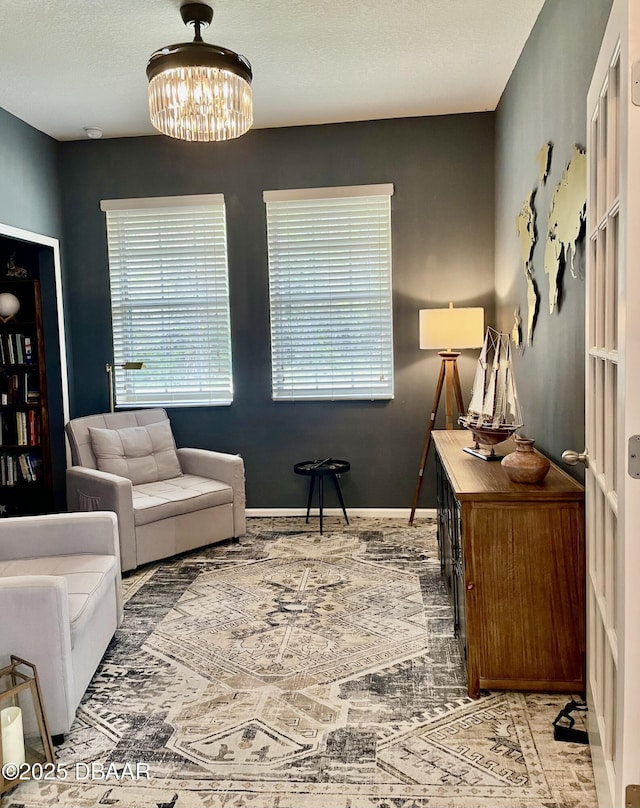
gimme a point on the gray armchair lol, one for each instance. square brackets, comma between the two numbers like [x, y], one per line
[167, 500]
[60, 601]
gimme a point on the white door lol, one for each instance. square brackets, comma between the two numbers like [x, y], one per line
[613, 408]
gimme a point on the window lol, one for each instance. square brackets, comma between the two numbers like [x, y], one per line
[170, 299]
[330, 292]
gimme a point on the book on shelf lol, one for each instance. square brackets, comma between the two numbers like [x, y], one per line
[35, 463]
[31, 467]
[28, 425]
[22, 468]
[7, 354]
[32, 388]
[28, 350]
[34, 428]
[21, 429]
[16, 349]
[14, 388]
[7, 423]
[21, 388]
[8, 470]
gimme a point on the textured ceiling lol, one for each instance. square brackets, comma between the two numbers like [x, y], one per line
[67, 64]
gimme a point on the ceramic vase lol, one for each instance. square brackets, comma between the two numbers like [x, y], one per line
[524, 465]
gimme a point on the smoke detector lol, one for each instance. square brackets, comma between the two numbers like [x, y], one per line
[94, 132]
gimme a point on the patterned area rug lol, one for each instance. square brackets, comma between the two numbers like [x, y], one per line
[292, 670]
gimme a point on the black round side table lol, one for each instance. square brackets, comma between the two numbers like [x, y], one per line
[319, 469]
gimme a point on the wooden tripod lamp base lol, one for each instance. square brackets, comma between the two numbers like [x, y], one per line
[450, 380]
[457, 328]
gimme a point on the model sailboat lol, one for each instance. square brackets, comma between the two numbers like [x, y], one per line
[494, 412]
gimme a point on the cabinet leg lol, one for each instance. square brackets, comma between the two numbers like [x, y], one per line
[473, 679]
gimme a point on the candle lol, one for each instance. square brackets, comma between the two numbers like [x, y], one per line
[12, 736]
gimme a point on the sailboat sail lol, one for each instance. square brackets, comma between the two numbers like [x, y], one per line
[512, 408]
[477, 396]
[494, 401]
[501, 412]
[490, 394]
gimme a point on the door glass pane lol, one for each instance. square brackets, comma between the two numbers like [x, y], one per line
[592, 409]
[599, 663]
[609, 706]
[600, 415]
[614, 270]
[607, 463]
[598, 573]
[592, 154]
[592, 295]
[614, 573]
[590, 502]
[602, 155]
[614, 129]
[601, 290]
[614, 428]
[609, 561]
[592, 638]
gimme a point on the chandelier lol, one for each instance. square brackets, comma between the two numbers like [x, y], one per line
[199, 91]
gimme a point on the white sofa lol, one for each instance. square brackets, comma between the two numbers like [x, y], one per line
[60, 601]
[167, 500]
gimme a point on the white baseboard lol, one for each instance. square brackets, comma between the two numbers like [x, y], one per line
[374, 513]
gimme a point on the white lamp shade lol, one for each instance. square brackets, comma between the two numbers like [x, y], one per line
[453, 329]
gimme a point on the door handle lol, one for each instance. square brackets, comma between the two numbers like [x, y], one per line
[571, 458]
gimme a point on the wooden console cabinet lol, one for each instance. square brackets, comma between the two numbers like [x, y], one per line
[513, 558]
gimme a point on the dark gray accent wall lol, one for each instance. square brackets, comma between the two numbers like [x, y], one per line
[29, 187]
[545, 100]
[30, 200]
[442, 223]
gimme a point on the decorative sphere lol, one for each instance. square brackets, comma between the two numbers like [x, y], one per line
[9, 305]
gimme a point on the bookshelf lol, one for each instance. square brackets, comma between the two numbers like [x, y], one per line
[25, 456]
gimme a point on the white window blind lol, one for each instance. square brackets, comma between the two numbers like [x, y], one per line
[331, 292]
[170, 299]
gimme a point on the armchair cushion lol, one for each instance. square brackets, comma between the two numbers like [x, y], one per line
[185, 494]
[87, 579]
[142, 454]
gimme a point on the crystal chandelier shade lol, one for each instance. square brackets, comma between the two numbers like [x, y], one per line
[200, 103]
[197, 91]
